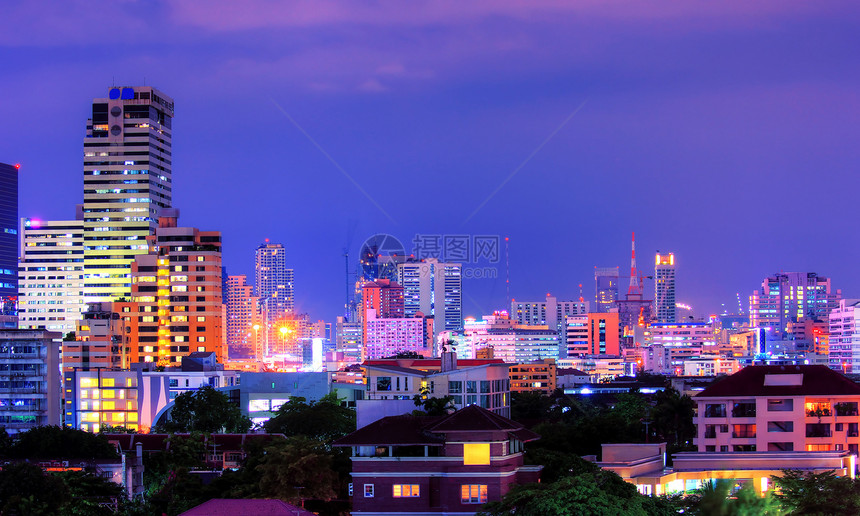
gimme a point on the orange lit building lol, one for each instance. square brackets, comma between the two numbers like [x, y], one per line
[98, 342]
[383, 296]
[604, 334]
[176, 295]
[534, 377]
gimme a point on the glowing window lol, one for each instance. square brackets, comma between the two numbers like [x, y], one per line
[89, 382]
[476, 454]
[473, 493]
[406, 490]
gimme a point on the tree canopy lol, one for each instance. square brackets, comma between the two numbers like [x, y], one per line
[54, 442]
[324, 420]
[205, 410]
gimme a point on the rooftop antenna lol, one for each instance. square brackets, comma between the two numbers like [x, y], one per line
[635, 287]
[581, 299]
[507, 273]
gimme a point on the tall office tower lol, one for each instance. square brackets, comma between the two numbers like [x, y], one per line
[349, 341]
[844, 346]
[176, 295]
[791, 296]
[605, 288]
[551, 312]
[127, 183]
[664, 288]
[435, 289]
[274, 280]
[51, 275]
[8, 239]
[244, 319]
[30, 377]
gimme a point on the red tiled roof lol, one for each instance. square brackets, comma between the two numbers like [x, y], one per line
[403, 430]
[818, 380]
[247, 507]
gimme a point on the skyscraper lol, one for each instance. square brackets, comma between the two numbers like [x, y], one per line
[435, 289]
[664, 288]
[274, 284]
[792, 296]
[550, 312]
[605, 288]
[8, 238]
[243, 314]
[127, 182]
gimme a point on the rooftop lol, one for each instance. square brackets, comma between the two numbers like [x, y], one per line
[791, 380]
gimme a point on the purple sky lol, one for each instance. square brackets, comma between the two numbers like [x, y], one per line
[725, 132]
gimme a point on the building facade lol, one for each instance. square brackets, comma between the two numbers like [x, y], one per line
[127, 183]
[435, 289]
[792, 296]
[605, 288]
[30, 390]
[509, 341]
[8, 238]
[388, 337]
[51, 275]
[550, 312]
[664, 288]
[243, 319]
[844, 340]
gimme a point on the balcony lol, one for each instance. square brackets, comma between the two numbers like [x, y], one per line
[743, 410]
[715, 410]
[846, 409]
[710, 432]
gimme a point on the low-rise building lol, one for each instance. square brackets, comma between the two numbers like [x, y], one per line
[534, 377]
[435, 465]
[30, 377]
[779, 409]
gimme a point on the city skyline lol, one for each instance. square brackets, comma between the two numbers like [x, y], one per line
[692, 161]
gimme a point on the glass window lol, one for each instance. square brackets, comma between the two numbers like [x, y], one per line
[780, 426]
[476, 454]
[780, 405]
[471, 386]
[455, 387]
[406, 490]
[473, 493]
[383, 383]
[485, 386]
[368, 490]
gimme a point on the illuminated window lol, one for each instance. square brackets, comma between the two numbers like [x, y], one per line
[368, 490]
[476, 454]
[406, 490]
[89, 382]
[108, 382]
[108, 405]
[473, 493]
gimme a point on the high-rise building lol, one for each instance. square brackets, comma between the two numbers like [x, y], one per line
[603, 334]
[605, 288]
[176, 297]
[576, 336]
[792, 296]
[51, 275]
[274, 280]
[244, 319]
[550, 312]
[127, 183]
[511, 342]
[349, 341]
[31, 379]
[664, 288]
[435, 289]
[388, 337]
[844, 345]
[8, 239]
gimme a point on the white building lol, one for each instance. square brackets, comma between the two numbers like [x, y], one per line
[844, 352]
[435, 289]
[390, 336]
[550, 312]
[511, 342]
[50, 275]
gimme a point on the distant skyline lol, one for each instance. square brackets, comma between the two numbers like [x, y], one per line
[726, 133]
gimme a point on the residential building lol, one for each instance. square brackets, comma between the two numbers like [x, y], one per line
[844, 341]
[127, 183]
[576, 336]
[388, 337]
[8, 238]
[175, 307]
[436, 465]
[275, 282]
[99, 341]
[534, 377]
[645, 466]
[604, 334]
[686, 334]
[713, 365]
[511, 342]
[808, 334]
[349, 340]
[30, 376]
[779, 408]
[664, 288]
[599, 367]
[51, 275]
[550, 312]
[606, 281]
[792, 296]
[435, 289]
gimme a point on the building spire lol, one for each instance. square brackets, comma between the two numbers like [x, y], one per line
[635, 287]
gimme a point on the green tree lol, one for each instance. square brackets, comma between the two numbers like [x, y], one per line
[206, 410]
[324, 420]
[54, 442]
[719, 498]
[673, 418]
[817, 493]
[431, 406]
[298, 469]
[89, 495]
[170, 487]
[26, 490]
[588, 494]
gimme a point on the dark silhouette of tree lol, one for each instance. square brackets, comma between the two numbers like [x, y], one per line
[25, 489]
[324, 420]
[205, 410]
[431, 406]
[54, 442]
[817, 493]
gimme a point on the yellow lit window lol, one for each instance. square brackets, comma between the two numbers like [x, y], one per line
[90, 417]
[108, 405]
[89, 382]
[473, 493]
[108, 395]
[817, 447]
[108, 382]
[132, 417]
[95, 394]
[406, 490]
[476, 454]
